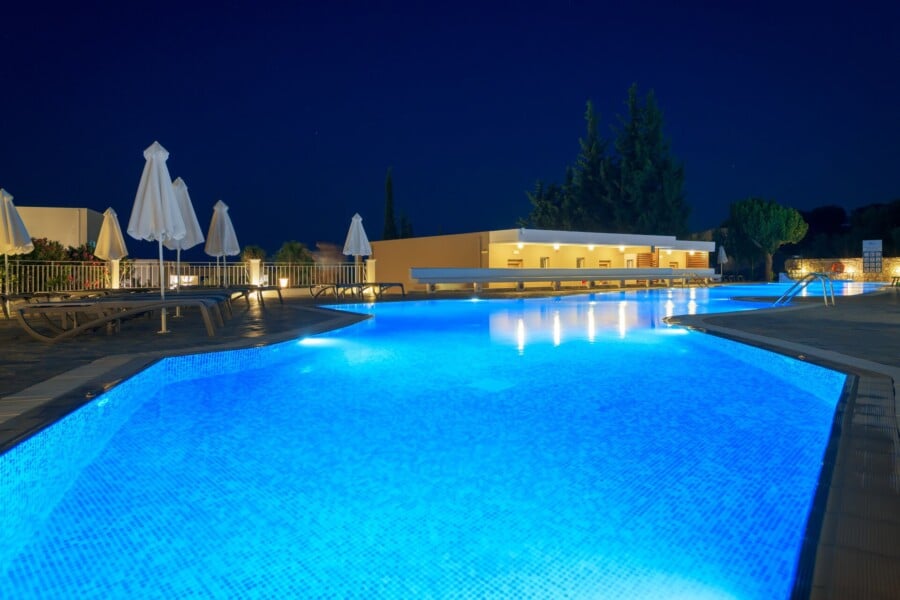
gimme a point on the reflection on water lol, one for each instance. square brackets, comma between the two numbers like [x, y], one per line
[591, 317]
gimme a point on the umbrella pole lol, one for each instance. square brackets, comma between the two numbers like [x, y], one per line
[162, 289]
[178, 282]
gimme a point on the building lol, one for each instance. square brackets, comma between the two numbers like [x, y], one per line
[68, 226]
[570, 258]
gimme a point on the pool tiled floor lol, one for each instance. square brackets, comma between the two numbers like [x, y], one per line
[858, 549]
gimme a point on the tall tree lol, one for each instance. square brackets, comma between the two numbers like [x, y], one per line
[768, 225]
[590, 204]
[552, 205]
[390, 225]
[406, 228]
[638, 189]
[648, 195]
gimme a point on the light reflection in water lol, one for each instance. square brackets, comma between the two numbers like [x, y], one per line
[592, 324]
[520, 335]
[593, 317]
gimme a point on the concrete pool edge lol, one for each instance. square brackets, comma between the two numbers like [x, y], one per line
[854, 545]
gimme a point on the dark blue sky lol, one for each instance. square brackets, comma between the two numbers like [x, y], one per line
[291, 113]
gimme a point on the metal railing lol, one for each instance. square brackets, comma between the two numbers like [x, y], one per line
[46, 276]
[800, 285]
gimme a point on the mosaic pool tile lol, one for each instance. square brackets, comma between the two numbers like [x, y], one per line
[409, 458]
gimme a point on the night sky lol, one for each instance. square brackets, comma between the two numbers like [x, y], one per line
[291, 113]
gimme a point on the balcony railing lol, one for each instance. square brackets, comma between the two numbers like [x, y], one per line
[45, 276]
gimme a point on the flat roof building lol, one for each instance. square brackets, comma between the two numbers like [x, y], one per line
[570, 258]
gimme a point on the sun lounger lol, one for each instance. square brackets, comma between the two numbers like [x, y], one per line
[259, 289]
[108, 312]
[356, 290]
[317, 289]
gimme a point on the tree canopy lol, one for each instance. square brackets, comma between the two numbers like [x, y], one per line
[767, 225]
[293, 252]
[637, 189]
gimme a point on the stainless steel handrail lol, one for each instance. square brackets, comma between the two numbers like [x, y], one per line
[801, 284]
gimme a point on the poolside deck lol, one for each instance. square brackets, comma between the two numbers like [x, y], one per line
[858, 552]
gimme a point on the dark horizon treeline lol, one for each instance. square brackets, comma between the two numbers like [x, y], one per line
[832, 232]
[835, 233]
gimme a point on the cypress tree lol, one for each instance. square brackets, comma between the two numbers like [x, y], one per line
[589, 195]
[390, 226]
[406, 228]
[640, 189]
[648, 196]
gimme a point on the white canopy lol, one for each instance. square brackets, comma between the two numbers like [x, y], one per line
[193, 234]
[357, 243]
[14, 238]
[221, 240]
[110, 243]
[155, 214]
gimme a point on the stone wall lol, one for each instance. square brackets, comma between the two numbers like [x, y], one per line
[850, 269]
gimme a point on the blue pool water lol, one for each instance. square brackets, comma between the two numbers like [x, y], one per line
[574, 447]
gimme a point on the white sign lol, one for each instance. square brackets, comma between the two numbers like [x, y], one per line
[871, 246]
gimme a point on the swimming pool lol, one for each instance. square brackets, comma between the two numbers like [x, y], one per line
[572, 447]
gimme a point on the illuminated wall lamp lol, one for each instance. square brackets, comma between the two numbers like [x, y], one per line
[556, 246]
[591, 247]
[520, 245]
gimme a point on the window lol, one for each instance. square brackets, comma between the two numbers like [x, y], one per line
[515, 263]
[545, 262]
[579, 262]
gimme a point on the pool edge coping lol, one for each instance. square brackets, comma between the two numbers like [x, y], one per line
[818, 565]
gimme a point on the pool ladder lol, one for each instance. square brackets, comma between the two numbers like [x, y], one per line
[800, 285]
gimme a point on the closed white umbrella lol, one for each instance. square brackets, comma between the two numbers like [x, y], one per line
[357, 243]
[14, 238]
[221, 241]
[111, 245]
[193, 234]
[155, 214]
[722, 258]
